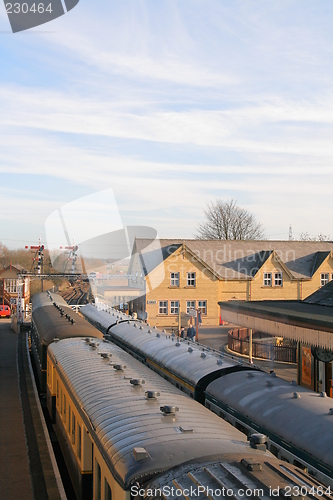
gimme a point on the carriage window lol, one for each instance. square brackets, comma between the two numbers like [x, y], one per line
[107, 491]
[73, 428]
[69, 419]
[79, 441]
[64, 408]
[98, 481]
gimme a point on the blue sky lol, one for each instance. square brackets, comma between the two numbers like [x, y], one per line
[171, 104]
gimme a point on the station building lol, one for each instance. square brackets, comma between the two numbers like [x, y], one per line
[174, 276]
[8, 286]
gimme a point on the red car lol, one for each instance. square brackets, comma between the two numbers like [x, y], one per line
[4, 311]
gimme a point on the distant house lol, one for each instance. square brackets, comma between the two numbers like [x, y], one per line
[178, 275]
[8, 286]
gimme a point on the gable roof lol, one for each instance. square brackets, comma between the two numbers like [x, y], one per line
[16, 267]
[240, 259]
[322, 297]
[318, 260]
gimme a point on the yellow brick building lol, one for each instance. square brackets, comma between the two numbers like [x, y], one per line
[177, 275]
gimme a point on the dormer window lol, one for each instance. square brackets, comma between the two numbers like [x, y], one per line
[174, 279]
[277, 279]
[267, 279]
[324, 279]
[190, 279]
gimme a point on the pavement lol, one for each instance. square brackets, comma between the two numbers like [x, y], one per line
[217, 338]
[26, 469]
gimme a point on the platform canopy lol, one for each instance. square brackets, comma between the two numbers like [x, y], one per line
[297, 320]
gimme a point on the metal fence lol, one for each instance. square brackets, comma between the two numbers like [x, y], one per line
[262, 350]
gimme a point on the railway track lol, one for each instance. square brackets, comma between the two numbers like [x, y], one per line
[77, 295]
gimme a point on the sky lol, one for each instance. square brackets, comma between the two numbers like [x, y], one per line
[170, 104]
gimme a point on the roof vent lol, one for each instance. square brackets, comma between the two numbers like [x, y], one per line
[219, 362]
[152, 394]
[154, 327]
[269, 383]
[149, 331]
[296, 395]
[94, 345]
[251, 464]
[56, 339]
[323, 394]
[169, 410]
[140, 453]
[87, 340]
[177, 344]
[135, 325]
[272, 374]
[128, 322]
[137, 381]
[172, 339]
[330, 411]
[190, 349]
[258, 441]
[119, 368]
[240, 363]
[249, 375]
[72, 321]
[141, 327]
[293, 382]
[202, 355]
[164, 330]
[158, 335]
[105, 355]
[184, 428]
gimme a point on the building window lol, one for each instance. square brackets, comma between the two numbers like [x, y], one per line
[267, 279]
[202, 306]
[11, 286]
[163, 307]
[107, 491]
[190, 304]
[174, 307]
[324, 279]
[190, 279]
[174, 279]
[278, 279]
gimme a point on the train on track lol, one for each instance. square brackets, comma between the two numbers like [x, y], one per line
[127, 433]
[298, 422]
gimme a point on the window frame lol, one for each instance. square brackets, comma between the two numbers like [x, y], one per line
[190, 307]
[190, 278]
[163, 307]
[276, 274]
[174, 281]
[200, 307]
[174, 307]
[324, 281]
[267, 276]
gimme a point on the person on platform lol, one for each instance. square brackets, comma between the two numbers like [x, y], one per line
[191, 332]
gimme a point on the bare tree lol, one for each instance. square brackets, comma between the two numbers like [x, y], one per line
[320, 237]
[224, 220]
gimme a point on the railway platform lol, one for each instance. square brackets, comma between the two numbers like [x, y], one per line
[27, 467]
